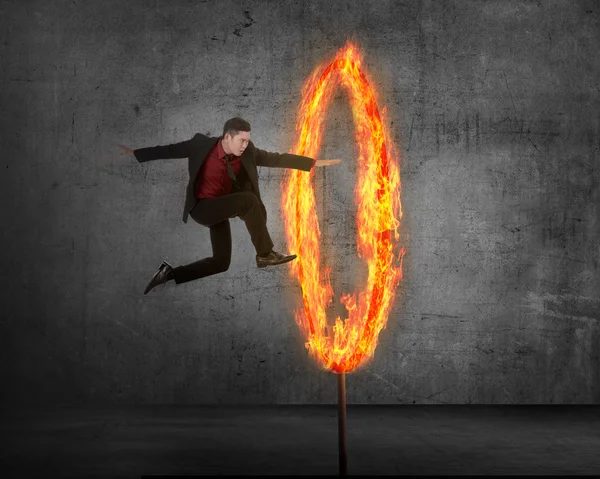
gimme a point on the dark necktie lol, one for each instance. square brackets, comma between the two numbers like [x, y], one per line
[234, 184]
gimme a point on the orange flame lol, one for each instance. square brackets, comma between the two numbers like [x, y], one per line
[377, 196]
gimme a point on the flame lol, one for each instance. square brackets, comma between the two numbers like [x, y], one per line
[377, 196]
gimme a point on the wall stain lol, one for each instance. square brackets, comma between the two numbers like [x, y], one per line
[249, 21]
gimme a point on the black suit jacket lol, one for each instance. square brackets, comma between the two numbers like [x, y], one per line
[196, 150]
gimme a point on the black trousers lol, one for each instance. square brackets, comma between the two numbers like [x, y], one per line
[215, 213]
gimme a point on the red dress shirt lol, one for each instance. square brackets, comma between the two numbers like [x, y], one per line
[212, 179]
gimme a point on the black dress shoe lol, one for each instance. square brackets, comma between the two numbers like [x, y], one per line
[273, 258]
[164, 274]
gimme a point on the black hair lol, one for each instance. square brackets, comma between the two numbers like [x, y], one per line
[234, 125]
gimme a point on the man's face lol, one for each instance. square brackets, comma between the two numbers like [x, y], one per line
[238, 143]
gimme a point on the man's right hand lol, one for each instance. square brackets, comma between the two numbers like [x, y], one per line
[126, 151]
[326, 162]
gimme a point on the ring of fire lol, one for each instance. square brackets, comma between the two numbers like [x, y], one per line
[378, 213]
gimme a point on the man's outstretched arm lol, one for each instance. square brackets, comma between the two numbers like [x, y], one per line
[289, 160]
[175, 150]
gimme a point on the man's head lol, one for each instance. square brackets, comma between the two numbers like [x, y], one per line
[236, 135]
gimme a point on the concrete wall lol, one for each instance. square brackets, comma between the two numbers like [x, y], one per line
[494, 107]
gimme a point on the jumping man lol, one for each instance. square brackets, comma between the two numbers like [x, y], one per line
[223, 184]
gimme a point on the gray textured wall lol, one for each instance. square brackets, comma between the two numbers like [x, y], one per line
[496, 114]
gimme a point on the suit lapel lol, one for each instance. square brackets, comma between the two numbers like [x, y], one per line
[198, 160]
[250, 167]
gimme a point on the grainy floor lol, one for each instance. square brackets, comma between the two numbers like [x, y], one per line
[399, 440]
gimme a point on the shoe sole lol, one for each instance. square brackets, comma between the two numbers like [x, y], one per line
[149, 288]
[291, 258]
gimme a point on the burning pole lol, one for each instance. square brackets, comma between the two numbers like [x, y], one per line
[377, 197]
[343, 458]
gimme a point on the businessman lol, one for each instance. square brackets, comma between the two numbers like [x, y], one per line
[223, 184]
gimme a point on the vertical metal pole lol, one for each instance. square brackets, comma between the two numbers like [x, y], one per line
[342, 424]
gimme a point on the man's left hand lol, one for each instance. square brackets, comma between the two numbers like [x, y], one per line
[126, 151]
[326, 162]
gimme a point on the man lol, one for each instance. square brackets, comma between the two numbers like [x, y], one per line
[223, 184]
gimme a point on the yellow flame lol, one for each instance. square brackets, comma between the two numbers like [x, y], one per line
[377, 197]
